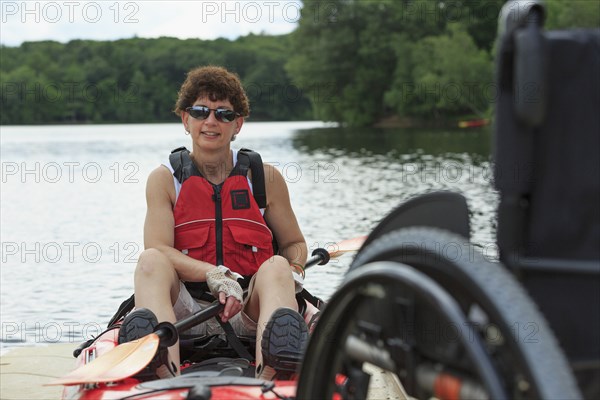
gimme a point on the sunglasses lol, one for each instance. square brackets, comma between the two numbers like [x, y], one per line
[221, 114]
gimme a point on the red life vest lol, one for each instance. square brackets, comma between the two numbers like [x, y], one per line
[221, 224]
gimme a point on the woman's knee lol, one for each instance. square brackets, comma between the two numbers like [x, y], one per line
[154, 276]
[153, 263]
[276, 267]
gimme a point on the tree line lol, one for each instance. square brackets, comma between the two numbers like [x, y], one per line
[136, 80]
[358, 62]
[414, 59]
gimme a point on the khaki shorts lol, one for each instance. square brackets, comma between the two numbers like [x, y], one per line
[186, 305]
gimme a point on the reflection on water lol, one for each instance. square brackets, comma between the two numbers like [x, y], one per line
[387, 166]
[72, 226]
[397, 143]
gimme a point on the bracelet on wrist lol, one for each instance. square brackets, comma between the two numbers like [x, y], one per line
[298, 267]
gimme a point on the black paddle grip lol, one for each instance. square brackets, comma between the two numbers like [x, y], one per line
[167, 333]
[320, 256]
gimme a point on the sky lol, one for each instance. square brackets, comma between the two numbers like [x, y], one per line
[63, 21]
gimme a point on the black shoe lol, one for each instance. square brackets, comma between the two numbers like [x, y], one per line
[284, 341]
[137, 324]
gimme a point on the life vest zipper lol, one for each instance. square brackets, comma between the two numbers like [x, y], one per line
[218, 223]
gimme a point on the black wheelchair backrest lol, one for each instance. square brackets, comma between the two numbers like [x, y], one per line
[547, 171]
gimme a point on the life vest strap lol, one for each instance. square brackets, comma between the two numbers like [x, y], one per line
[184, 167]
[258, 175]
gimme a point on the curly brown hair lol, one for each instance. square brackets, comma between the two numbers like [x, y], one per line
[217, 84]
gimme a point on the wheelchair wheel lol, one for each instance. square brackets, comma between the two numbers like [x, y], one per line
[428, 307]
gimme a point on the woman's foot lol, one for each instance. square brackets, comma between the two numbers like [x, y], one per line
[283, 343]
[137, 324]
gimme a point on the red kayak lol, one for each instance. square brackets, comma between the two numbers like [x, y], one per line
[474, 123]
[212, 378]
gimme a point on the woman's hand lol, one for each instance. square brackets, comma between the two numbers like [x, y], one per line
[232, 306]
[223, 286]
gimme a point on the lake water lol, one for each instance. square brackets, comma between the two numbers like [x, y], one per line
[72, 205]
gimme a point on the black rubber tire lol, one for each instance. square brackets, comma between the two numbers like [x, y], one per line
[528, 368]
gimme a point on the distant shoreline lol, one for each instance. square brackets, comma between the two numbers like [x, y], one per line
[411, 122]
[387, 122]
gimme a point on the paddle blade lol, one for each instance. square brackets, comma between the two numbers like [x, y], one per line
[345, 246]
[122, 362]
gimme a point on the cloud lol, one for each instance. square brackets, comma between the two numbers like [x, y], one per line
[109, 20]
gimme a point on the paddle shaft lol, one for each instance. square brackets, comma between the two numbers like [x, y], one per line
[199, 317]
[168, 333]
[322, 256]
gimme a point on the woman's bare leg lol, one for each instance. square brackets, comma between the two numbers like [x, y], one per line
[157, 288]
[273, 288]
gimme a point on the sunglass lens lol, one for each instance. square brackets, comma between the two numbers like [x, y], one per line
[225, 115]
[199, 112]
[222, 114]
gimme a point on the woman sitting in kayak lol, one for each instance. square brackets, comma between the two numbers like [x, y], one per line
[204, 230]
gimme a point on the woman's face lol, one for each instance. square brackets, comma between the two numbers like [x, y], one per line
[211, 132]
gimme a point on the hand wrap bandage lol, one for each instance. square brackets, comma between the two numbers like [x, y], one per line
[218, 280]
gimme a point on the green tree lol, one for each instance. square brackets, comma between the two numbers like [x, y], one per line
[342, 58]
[572, 14]
[449, 76]
[357, 58]
[19, 95]
[324, 54]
